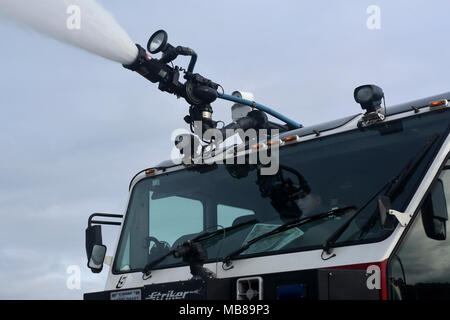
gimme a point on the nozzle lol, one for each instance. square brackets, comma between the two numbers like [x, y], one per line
[139, 61]
[149, 68]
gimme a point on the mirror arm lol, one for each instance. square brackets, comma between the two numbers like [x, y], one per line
[105, 215]
[111, 223]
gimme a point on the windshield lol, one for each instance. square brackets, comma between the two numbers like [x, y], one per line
[332, 172]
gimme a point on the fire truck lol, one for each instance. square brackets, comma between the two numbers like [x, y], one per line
[355, 208]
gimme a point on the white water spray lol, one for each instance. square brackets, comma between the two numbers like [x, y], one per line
[81, 23]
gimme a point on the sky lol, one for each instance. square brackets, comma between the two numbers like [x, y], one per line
[75, 127]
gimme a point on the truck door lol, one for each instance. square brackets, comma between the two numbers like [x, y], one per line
[419, 268]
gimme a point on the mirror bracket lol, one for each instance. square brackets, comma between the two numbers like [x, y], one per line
[402, 217]
[108, 261]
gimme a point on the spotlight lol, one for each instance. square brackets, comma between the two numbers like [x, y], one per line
[157, 42]
[369, 97]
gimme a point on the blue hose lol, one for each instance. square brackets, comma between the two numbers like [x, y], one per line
[291, 123]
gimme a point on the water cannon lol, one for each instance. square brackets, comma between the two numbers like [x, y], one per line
[198, 91]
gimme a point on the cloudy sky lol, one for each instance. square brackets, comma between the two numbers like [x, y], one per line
[74, 127]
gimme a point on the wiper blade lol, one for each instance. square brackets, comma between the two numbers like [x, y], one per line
[286, 226]
[200, 237]
[399, 182]
[394, 187]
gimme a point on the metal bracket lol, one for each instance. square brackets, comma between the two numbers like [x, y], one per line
[402, 217]
[146, 275]
[371, 118]
[227, 265]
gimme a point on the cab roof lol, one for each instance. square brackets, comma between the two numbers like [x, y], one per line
[316, 129]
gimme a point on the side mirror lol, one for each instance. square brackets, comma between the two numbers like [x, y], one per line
[93, 237]
[434, 212]
[97, 258]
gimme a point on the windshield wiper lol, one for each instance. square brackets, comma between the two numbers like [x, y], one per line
[394, 187]
[286, 226]
[200, 237]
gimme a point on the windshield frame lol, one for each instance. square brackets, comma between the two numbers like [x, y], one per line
[179, 168]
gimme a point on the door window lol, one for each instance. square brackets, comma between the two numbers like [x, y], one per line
[420, 268]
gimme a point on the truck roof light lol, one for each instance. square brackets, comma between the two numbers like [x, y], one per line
[274, 142]
[439, 103]
[257, 146]
[291, 139]
[150, 171]
[369, 97]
